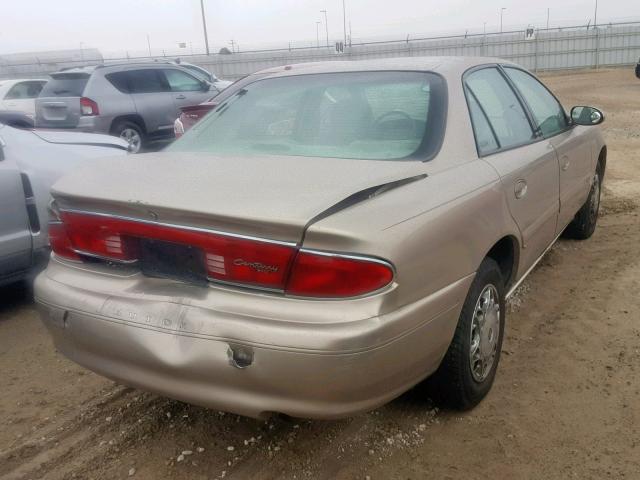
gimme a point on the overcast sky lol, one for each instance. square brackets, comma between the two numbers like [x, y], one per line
[116, 26]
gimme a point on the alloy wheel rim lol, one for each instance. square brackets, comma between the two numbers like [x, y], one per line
[132, 137]
[485, 333]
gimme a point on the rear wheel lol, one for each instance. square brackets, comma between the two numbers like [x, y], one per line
[131, 133]
[584, 223]
[467, 371]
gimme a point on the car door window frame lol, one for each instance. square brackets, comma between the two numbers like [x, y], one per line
[570, 123]
[532, 123]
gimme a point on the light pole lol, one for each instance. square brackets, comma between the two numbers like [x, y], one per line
[344, 23]
[501, 12]
[204, 27]
[149, 45]
[318, 34]
[547, 19]
[595, 15]
[326, 25]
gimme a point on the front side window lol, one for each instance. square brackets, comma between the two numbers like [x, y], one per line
[181, 81]
[24, 90]
[547, 111]
[364, 115]
[501, 107]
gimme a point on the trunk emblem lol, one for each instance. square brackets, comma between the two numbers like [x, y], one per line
[257, 266]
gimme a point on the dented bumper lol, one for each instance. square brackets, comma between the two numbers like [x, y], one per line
[212, 350]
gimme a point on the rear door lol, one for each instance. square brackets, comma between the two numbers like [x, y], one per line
[527, 164]
[186, 88]
[21, 97]
[152, 98]
[572, 148]
[15, 235]
[58, 105]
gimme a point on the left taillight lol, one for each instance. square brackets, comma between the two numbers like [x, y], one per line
[88, 107]
[58, 238]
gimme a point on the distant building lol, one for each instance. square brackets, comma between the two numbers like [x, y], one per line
[39, 64]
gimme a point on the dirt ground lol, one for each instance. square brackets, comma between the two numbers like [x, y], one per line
[566, 402]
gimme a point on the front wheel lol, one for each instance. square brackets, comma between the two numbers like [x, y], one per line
[584, 223]
[467, 371]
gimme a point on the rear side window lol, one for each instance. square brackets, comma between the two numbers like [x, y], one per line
[182, 82]
[119, 80]
[24, 90]
[138, 81]
[501, 107]
[65, 85]
[485, 139]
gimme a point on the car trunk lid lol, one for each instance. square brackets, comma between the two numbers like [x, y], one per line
[272, 197]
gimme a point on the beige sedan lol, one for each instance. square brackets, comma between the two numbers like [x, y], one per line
[330, 235]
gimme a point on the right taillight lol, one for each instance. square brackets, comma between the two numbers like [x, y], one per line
[88, 107]
[318, 274]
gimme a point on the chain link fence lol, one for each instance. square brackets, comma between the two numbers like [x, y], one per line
[576, 47]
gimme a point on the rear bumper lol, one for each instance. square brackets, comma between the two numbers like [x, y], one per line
[193, 353]
[87, 124]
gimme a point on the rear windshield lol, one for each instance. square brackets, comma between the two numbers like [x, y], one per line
[65, 85]
[360, 115]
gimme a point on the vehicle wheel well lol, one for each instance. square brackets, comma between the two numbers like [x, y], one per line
[137, 119]
[504, 252]
[602, 162]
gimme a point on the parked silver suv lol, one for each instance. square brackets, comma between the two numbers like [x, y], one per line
[137, 102]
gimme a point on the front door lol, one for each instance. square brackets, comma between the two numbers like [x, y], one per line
[153, 101]
[527, 165]
[187, 90]
[574, 153]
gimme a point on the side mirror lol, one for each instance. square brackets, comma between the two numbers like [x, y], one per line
[586, 116]
[206, 86]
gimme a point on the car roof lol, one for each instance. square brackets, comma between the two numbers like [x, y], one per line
[12, 81]
[89, 69]
[443, 65]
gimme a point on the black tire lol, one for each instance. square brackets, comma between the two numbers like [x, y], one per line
[584, 223]
[131, 133]
[454, 384]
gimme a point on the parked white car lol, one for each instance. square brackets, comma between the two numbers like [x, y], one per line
[19, 95]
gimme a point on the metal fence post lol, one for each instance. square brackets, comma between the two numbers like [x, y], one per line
[597, 47]
[535, 52]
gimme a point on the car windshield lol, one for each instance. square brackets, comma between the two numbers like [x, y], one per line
[362, 115]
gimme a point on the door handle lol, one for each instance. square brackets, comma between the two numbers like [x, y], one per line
[520, 189]
[565, 164]
[180, 97]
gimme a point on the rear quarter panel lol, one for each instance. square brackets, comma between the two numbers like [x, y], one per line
[434, 231]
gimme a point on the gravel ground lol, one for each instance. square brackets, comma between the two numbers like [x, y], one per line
[566, 402]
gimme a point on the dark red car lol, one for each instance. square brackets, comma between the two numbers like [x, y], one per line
[190, 115]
